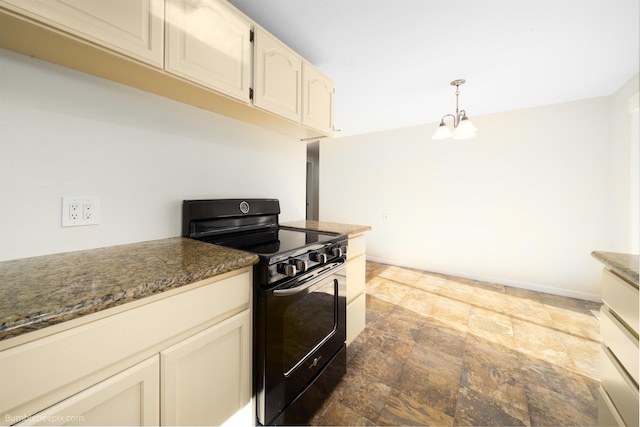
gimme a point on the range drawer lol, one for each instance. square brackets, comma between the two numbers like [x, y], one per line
[622, 297]
[619, 387]
[622, 343]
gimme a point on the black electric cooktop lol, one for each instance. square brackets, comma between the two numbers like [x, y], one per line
[274, 242]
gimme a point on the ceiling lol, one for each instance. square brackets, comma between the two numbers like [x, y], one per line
[392, 60]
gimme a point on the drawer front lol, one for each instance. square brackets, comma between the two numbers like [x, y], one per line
[622, 343]
[622, 297]
[357, 246]
[619, 387]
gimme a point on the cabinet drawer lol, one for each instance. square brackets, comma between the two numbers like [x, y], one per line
[619, 387]
[357, 246]
[622, 343]
[622, 297]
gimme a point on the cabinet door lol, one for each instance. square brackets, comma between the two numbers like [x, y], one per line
[206, 379]
[317, 100]
[132, 27]
[277, 77]
[208, 42]
[130, 398]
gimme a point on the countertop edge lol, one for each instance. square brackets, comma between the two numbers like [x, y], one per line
[625, 265]
[37, 317]
[329, 227]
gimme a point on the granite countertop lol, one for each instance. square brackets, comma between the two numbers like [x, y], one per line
[46, 290]
[331, 227]
[625, 265]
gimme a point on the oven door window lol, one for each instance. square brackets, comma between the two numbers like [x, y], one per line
[309, 320]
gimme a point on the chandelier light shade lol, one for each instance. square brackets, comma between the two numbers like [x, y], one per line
[462, 126]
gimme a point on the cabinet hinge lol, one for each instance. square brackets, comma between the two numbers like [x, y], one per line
[250, 93]
[251, 36]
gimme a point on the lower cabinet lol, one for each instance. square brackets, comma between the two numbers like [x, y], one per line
[204, 378]
[178, 358]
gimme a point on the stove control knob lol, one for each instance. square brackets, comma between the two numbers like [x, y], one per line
[289, 270]
[301, 265]
[318, 257]
[338, 251]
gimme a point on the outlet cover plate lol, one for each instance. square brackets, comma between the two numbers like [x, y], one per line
[80, 210]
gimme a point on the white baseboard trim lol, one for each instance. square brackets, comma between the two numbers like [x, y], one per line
[498, 280]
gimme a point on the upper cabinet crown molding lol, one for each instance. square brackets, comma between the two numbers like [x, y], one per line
[194, 51]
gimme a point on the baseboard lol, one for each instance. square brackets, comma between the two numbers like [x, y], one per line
[498, 280]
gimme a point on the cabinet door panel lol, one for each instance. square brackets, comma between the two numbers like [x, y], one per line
[356, 277]
[132, 27]
[317, 100]
[206, 379]
[277, 76]
[208, 42]
[129, 398]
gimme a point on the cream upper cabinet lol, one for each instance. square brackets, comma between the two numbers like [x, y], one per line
[200, 51]
[131, 27]
[317, 99]
[206, 379]
[130, 398]
[277, 77]
[208, 42]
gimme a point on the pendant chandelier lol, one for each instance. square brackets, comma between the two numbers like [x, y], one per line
[462, 126]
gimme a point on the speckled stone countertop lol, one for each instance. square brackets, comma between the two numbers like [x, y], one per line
[42, 291]
[626, 265]
[331, 227]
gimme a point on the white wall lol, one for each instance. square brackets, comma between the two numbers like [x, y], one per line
[68, 133]
[625, 143]
[523, 204]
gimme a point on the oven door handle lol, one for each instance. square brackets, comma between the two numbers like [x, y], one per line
[306, 285]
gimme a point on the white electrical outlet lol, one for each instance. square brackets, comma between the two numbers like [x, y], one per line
[80, 210]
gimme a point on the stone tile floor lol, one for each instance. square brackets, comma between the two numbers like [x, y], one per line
[445, 351]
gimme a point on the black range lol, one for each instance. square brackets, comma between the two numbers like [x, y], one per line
[299, 302]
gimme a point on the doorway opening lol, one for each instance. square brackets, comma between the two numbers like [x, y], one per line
[313, 180]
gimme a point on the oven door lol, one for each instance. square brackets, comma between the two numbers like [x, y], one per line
[302, 326]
